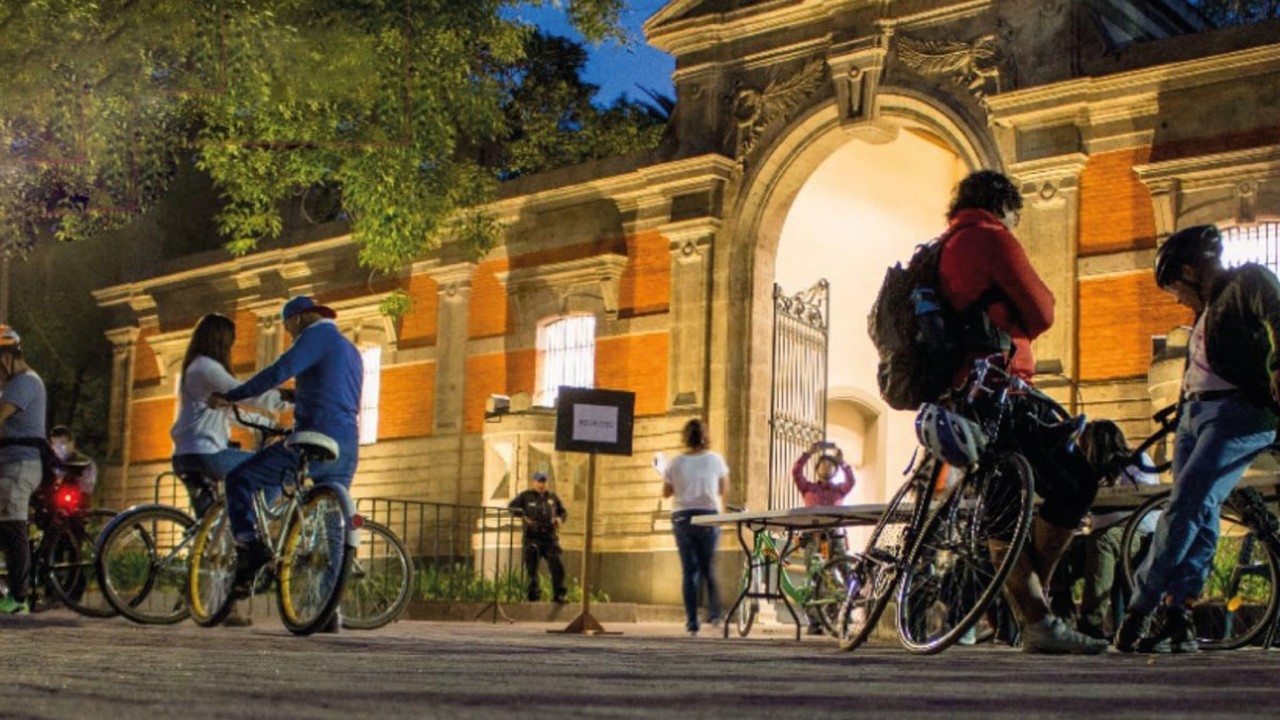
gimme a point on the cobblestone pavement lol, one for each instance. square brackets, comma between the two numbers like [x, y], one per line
[57, 665]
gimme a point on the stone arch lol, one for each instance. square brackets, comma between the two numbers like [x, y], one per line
[765, 198]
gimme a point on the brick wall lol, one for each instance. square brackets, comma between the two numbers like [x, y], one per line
[146, 371]
[149, 436]
[244, 353]
[1118, 316]
[1115, 207]
[645, 285]
[418, 327]
[637, 363]
[489, 316]
[406, 407]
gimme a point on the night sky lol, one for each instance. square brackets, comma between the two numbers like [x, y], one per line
[614, 68]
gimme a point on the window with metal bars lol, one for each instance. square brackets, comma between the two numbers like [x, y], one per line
[566, 356]
[1257, 243]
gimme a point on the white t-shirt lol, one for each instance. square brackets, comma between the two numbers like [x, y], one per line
[1200, 377]
[199, 429]
[696, 480]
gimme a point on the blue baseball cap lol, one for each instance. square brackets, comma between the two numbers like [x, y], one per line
[539, 476]
[305, 303]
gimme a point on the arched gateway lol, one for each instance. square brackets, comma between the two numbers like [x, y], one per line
[811, 139]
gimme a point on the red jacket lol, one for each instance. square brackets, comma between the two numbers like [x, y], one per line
[980, 253]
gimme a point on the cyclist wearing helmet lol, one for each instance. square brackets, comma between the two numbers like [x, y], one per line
[983, 265]
[22, 418]
[330, 376]
[1230, 398]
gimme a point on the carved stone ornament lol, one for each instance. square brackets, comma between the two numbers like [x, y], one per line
[756, 111]
[975, 65]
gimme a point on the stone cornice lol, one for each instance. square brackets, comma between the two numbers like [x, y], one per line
[1124, 94]
[679, 37]
[1050, 169]
[123, 337]
[1215, 170]
[603, 271]
[169, 348]
[1129, 262]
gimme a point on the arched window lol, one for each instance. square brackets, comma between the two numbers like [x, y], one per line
[1257, 243]
[566, 356]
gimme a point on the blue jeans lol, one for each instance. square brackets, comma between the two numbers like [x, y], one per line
[697, 547]
[1215, 442]
[215, 466]
[269, 469]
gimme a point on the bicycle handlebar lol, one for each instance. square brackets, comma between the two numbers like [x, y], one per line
[267, 431]
[1167, 417]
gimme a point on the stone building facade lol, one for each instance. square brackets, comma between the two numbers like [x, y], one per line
[1122, 120]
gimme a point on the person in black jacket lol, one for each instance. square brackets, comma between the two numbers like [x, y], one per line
[543, 513]
[1230, 395]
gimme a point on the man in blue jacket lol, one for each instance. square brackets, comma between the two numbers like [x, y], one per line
[329, 375]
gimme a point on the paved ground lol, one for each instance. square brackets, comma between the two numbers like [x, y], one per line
[57, 665]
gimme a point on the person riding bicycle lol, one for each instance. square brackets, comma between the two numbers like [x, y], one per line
[22, 418]
[330, 376]
[983, 265]
[821, 492]
[1227, 415]
[201, 434]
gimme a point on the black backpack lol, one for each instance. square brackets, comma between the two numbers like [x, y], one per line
[920, 339]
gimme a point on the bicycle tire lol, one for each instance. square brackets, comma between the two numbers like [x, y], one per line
[315, 561]
[878, 567]
[70, 571]
[380, 583]
[831, 586]
[745, 616]
[212, 568]
[949, 578]
[142, 563]
[1231, 611]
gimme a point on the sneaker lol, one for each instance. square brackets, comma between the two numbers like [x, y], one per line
[969, 637]
[1174, 632]
[250, 558]
[9, 606]
[1132, 629]
[1051, 636]
[714, 622]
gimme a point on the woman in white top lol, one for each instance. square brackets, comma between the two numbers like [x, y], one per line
[201, 434]
[696, 479]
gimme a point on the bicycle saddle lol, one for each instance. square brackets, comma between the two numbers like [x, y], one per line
[316, 447]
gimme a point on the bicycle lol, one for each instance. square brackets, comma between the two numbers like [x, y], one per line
[930, 550]
[1240, 600]
[62, 530]
[317, 531]
[819, 594]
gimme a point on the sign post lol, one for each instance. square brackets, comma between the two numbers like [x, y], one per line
[594, 422]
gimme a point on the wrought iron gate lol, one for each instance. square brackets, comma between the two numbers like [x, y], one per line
[798, 410]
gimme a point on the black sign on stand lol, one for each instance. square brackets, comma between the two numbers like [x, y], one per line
[595, 422]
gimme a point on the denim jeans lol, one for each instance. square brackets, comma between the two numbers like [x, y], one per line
[697, 547]
[1215, 442]
[270, 468]
[215, 466]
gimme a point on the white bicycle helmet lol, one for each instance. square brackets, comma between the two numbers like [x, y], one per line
[951, 438]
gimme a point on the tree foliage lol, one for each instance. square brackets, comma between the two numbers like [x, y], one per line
[1237, 12]
[403, 113]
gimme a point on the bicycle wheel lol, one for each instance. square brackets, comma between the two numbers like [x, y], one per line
[316, 560]
[875, 571]
[71, 574]
[1240, 595]
[142, 563]
[381, 578]
[830, 587]
[751, 582]
[949, 577]
[211, 568]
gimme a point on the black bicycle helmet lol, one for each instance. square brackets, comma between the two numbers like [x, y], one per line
[1188, 246]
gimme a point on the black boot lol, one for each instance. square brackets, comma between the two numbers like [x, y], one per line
[1132, 629]
[1174, 632]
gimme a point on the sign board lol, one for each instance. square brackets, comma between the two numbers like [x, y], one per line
[590, 420]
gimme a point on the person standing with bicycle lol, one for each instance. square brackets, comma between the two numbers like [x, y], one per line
[22, 418]
[697, 479]
[1227, 415]
[983, 265]
[330, 377]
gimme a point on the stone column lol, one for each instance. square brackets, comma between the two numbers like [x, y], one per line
[123, 343]
[270, 332]
[689, 307]
[1049, 231]
[451, 344]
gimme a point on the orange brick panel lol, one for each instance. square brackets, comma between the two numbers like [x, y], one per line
[1118, 316]
[489, 316]
[146, 369]
[244, 353]
[149, 430]
[418, 327]
[406, 407]
[645, 285]
[486, 375]
[1115, 207]
[522, 371]
[637, 363]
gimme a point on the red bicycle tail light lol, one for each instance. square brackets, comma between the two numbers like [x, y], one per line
[67, 497]
[357, 521]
